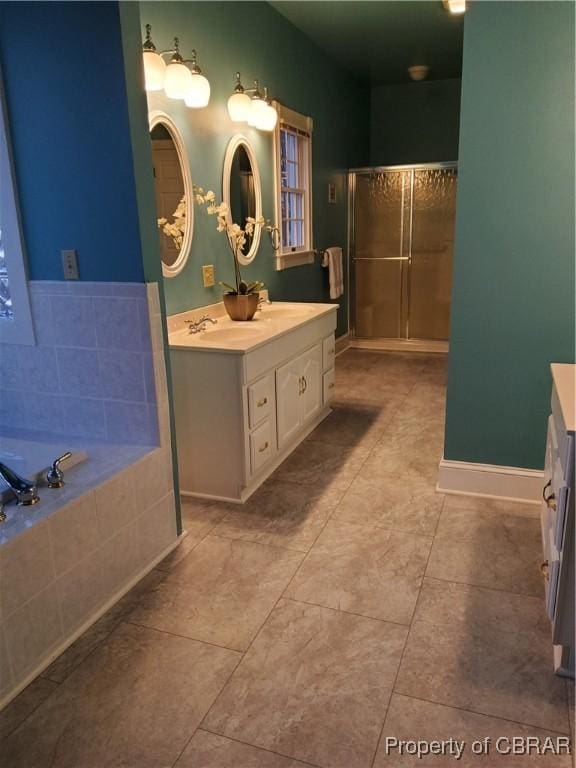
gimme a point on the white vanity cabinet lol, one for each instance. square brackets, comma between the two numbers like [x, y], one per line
[242, 407]
[298, 393]
[557, 517]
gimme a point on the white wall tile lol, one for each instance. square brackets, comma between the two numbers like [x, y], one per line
[74, 532]
[120, 558]
[81, 591]
[115, 503]
[26, 567]
[33, 631]
[157, 528]
[150, 478]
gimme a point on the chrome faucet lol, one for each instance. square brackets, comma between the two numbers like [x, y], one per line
[195, 326]
[25, 491]
[261, 301]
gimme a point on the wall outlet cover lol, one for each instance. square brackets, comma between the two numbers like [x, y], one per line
[70, 264]
[208, 275]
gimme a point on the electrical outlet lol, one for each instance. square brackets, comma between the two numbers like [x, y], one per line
[208, 275]
[70, 264]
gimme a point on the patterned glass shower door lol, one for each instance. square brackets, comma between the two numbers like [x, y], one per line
[402, 238]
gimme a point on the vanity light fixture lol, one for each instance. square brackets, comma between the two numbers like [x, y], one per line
[269, 117]
[251, 106]
[199, 93]
[455, 6]
[154, 64]
[239, 104]
[258, 107]
[180, 78]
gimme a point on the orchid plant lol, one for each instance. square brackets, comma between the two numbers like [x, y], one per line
[175, 229]
[236, 238]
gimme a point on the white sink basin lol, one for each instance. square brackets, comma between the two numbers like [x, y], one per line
[235, 333]
[282, 311]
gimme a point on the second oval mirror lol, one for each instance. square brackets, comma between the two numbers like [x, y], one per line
[242, 193]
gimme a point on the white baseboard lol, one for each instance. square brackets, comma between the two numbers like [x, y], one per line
[342, 343]
[401, 345]
[490, 480]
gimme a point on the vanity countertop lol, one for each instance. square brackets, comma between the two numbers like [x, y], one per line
[233, 337]
[564, 375]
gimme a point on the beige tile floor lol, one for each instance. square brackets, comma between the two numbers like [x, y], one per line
[346, 605]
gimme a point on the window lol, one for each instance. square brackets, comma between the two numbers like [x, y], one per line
[293, 150]
[15, 317]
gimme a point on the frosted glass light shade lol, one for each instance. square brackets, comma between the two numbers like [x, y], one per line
[257, 111]
[177, 81]
[154, 70]
[239, 106]
[198, 94]
[268, 119]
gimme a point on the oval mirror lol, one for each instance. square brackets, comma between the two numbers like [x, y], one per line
[173, 193]
[242, 192]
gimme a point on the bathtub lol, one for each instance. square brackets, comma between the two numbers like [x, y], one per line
[65, 560]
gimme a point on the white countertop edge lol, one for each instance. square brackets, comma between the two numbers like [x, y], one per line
[564, 377]
[242, 347]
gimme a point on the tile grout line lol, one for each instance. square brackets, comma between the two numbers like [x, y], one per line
[480, 714]
[393, 688]
[264, 749]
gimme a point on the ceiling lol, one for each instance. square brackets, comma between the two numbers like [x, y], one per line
[378, 40]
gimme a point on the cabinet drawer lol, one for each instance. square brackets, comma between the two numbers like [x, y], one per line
[260, 400]
[328, 385]
[328, 352]
[564, 440]
[260, 446]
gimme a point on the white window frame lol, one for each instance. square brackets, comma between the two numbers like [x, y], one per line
[19, 329]
[302, 125]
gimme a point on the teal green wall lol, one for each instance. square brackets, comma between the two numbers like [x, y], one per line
[415, 122]
[142, 164]
[253, 38]
[513, 288]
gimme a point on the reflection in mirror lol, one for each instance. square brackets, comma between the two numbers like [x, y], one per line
[173, 189]
[169, 191]
[242, 192]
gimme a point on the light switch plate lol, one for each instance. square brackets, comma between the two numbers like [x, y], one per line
[208, 275]
[70, 264]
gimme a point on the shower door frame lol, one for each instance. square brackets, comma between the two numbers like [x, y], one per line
[383, 342]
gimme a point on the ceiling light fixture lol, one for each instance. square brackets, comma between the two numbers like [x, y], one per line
[418, 72]
[180, 78]
[455, 6]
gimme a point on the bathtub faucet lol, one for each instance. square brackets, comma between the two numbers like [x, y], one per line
[25, 491]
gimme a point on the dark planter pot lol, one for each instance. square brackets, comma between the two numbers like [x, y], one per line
[240, 307]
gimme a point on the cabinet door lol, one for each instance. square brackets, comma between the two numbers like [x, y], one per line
[311, 398]
[288, 388]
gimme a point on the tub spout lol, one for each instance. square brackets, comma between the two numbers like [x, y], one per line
[25, 491]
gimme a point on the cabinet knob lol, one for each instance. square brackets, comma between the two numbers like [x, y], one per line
[263, 448]
[331, 385]
[544, 569]
[262, 402]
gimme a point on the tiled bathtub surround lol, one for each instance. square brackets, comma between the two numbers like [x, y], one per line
[91, 373]
[58, 576]
[64, 561]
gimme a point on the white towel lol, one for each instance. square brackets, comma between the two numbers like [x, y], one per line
[332, 259]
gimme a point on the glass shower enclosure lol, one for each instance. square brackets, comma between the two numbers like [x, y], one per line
[401, 241]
